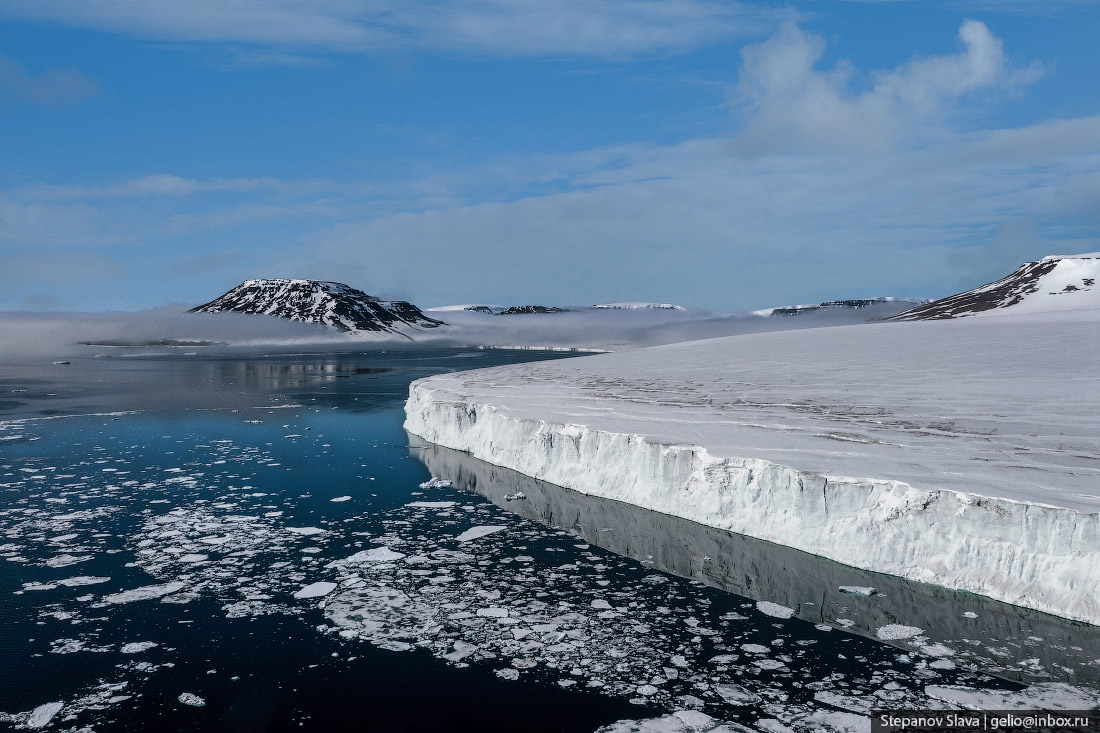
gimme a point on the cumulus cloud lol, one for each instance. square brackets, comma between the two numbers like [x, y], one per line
[499, 27]
[51, 87]
[790, 103]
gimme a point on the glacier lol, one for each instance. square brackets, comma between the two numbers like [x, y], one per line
[958, 453]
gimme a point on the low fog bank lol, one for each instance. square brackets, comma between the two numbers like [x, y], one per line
[618, 330]
[38, 336]
[61, 335]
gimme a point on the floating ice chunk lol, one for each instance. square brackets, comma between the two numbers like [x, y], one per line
[373, 556]
[193, 557]
[508, 674]
[144, 593]
[341, 498]
[600, 604]
[316, 590]
[937, 650]
[136, 647]
[893, 632]
[859, 590]
[432, 504]
[493, 612]
[66, 559]
[193, 700]
[42, 715]
[647, 690]
[768, 664]
[436, 483]
[736, 695]
[39, 586]
[461, 651]
[969, 614]
[774, 609]
[851, 703]
[755, 648]
[1040, 696]
[70, 646]
[518, 496]
[305, 531]
[681, 721]
[82, 580]
[474, 533]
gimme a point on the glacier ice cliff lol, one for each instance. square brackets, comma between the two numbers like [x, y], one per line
[1038, 550]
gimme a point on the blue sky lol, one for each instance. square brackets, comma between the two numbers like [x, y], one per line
[715, 154]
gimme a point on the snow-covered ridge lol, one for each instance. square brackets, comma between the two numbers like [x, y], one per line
[638, 306]
[475, 307]
[795, 310]
[1054, 283]
[316, 301]
[829, 441]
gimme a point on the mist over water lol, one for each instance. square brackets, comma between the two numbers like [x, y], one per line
[32, 337]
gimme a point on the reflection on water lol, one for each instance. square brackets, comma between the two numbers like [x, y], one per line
[180, 381]
[996, 638]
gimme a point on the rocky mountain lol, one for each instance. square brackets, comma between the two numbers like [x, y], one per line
[1054, 283]
[316, 301]
[852, 303]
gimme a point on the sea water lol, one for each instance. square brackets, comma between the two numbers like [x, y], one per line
[242, 542]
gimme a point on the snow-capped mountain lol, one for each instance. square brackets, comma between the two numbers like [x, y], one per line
[638, 306]
[317, 301]
[1054, 283]
[853, 303]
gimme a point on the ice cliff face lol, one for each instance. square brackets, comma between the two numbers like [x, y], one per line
[1025, 554]
[961, 453]
[328, 303]
[1055, 283]
[1022, 554]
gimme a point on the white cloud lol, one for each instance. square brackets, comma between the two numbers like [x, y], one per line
[790, 103]
[499, 27]
[51, 87]
[164, 184]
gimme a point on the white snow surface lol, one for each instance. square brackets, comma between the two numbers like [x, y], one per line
[963, 453]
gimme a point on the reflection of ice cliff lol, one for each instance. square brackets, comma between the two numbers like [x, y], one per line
[1004, 640]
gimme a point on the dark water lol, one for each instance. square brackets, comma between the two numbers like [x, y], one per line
[159, 552]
